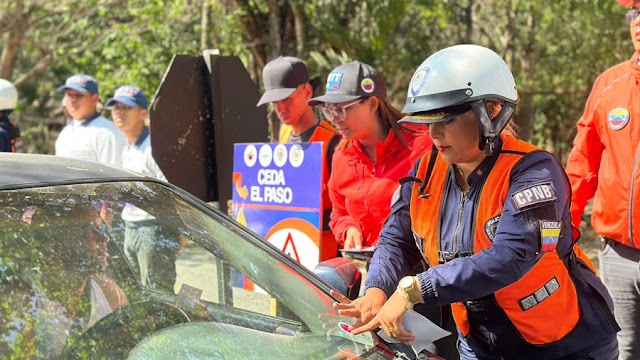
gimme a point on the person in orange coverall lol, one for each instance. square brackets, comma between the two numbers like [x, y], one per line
[605, 165]
[375, 152]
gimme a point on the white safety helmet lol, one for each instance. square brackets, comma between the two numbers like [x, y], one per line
[8, 95]
[457, 78]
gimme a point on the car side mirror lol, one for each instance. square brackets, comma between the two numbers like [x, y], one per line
[342, 274]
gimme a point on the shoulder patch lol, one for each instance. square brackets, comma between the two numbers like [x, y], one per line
[396, 196]
[491, 227]
[534, 194]
[550, 232]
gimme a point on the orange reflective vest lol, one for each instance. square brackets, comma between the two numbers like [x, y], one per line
[285, 132]
[323, 133]
[553, 316]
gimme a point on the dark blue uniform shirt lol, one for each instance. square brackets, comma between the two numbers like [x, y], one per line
[5, 134]
[515, 250]
[515, 247]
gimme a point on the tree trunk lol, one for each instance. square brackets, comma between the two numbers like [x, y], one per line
[13, 43]
[204, 22]
[298, 21]
[469, 20]
[526, 116]
[275, 41]
[253, 31]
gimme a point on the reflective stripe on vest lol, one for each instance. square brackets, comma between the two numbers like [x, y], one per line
[559, 307]
[324, 132]
[285, 132]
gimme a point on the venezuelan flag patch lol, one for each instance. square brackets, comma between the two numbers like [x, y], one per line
[550, 232]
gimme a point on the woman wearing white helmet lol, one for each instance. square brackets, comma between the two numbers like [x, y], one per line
[10, 140]
[490, 217]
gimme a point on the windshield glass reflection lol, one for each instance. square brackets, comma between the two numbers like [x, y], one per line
[78, 277]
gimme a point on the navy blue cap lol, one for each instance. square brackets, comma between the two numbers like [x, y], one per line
[130, 96]
[80, 82]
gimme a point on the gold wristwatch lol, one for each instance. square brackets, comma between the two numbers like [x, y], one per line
[409, 289]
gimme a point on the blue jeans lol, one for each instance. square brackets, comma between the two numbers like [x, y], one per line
[620, 272]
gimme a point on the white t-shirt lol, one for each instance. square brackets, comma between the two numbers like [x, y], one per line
[137, 157]
[96, 140]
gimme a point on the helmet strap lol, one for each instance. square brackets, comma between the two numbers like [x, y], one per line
[490, 129]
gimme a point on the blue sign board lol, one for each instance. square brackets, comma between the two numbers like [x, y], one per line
[277, 193]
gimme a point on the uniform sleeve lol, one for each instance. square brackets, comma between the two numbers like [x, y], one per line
[396, 254]
[106, 148]
[516, 246]
[152, 166]
[340, 220]
[584, 160]
[5, 141]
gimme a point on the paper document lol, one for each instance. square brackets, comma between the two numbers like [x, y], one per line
[354, 250]
[365, 254]
[424, 331]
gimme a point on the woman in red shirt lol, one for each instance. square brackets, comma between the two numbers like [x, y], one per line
[375, 152]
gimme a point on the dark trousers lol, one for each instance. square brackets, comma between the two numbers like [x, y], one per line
[151, 250]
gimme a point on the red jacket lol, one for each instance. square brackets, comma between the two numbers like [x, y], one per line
[361, 191]
[605, 160]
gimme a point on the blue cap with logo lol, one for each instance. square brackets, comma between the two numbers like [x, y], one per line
[351, 81]
[81, 83]
[130, 96]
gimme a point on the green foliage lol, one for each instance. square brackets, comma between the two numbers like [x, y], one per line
[555, 48]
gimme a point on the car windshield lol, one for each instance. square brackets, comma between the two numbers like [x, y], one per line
[80, 277]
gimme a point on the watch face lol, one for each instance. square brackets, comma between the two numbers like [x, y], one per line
[406, 282]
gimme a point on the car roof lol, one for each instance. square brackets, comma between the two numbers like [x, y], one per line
[17, 170]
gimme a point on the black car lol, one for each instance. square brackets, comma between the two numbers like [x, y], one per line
[73, 287]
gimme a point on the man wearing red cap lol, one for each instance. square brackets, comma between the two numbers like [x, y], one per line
[605, 164]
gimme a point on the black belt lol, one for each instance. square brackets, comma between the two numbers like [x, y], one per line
[613, 243]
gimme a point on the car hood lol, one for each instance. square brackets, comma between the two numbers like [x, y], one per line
[224, 341]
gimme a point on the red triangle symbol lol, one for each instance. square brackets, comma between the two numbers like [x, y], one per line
[289, 243]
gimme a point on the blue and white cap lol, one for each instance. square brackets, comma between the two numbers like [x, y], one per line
[130, 96]
[80, 82]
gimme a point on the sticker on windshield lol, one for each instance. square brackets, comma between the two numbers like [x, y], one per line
[342, 330]
[344, 326]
